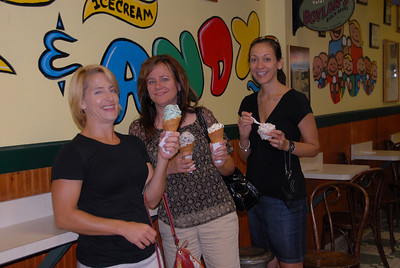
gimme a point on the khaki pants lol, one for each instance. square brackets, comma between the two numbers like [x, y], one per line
[217, 241]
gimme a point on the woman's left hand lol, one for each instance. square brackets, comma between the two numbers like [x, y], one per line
[220, 154]
[170, 146]
[278, 140]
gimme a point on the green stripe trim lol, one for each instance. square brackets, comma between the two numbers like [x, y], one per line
[346, 117]
[32, 156]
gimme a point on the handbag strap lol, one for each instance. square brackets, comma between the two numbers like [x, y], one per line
[288, 164]
[171, 223]
[202, 122]
[151, 224]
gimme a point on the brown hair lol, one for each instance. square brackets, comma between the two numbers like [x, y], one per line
[186, 98]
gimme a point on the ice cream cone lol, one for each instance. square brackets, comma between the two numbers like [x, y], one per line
[188, 148]
[217, 135]
[172, 124]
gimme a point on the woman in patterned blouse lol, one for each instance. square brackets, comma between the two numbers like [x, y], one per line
[203, 211]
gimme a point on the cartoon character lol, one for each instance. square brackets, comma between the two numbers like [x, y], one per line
[340, 60]
[338, 40]
[374, 75]
[360, 76]
[355, 43]
[324, 58]
[318, 72]
[348, 75]
[332, 77]
[368, 77]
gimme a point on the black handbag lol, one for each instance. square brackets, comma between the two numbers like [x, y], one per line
[245, 195]
[243, 192]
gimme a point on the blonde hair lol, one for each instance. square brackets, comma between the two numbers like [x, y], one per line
[358, 27]
[77, 89]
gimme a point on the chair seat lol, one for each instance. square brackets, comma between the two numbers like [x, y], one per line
[325, 258]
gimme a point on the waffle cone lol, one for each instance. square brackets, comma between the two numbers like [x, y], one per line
[187, 148]
[172, 124]
[216, 136]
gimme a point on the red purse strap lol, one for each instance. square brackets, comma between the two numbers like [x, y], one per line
[151, 224]
[167, 209]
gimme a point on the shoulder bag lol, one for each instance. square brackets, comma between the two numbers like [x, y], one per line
[183, 259]
[244, 193]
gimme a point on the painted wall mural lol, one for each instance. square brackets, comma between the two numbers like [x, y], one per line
[344, 67]
[45, 41]
[125, 56]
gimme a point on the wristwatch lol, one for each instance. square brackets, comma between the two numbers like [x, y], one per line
[292, 146]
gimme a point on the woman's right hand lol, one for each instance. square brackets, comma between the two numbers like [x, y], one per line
[244, 124]
[181, 163]
[140, 234]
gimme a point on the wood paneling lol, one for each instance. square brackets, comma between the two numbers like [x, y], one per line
[24, 183]
[385, 127]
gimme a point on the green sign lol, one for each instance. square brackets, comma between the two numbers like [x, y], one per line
[325, 15]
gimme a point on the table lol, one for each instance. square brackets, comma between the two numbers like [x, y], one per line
[341, 172]
[314, 168]
[27, 227]
[364, 151]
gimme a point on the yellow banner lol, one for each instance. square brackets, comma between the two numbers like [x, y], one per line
[29, 2]
[141, 14]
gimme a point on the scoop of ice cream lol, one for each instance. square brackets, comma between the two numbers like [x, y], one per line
[186, 138]
[215, 127]
[171, 111]
[263, 128]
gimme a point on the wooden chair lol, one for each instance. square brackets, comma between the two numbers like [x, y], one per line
[391, 193]
[356, 199]
[372, 182]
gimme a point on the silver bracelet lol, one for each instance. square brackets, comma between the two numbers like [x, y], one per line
[244, 149]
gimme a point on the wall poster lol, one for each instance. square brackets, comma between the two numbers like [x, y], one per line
[390, 71]
[299, 64]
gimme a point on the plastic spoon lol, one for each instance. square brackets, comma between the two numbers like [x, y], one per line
[255, 121]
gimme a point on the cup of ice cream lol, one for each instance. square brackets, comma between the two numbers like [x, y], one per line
[263, 129]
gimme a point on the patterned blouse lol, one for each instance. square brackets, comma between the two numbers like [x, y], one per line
[198, 197]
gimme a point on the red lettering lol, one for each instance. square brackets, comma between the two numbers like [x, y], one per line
[306, 17]
[216, 49]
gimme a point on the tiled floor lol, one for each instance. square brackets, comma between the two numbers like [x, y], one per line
[369, 253]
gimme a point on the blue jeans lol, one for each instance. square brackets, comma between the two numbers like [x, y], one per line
[275, 227]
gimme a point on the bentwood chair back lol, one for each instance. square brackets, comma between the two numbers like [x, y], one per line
[324, 198]
[391, 193]
[372, 180]
[395, 165]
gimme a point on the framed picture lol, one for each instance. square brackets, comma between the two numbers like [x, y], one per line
[373, 35]
[387, 12]
[299, 74]
[390, 71]
[398, 18]
[362, 2]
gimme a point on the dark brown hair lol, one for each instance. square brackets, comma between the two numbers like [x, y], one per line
[186, 98]
[274, 43]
